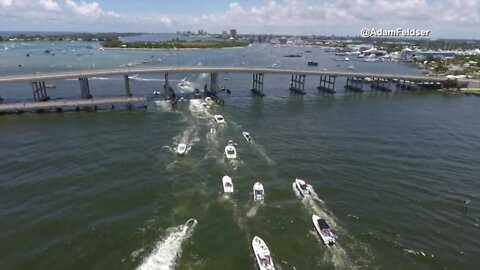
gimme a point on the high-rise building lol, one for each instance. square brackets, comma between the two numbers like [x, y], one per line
[233, 33]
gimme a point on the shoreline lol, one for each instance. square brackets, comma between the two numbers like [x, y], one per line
[168, 49]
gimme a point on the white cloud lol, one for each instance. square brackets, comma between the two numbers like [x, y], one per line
[6, 3]
[50, 5]
[446, 18]
[92, 10]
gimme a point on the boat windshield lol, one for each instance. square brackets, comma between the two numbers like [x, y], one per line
[230, 152]
[258, 192]
[228, 184]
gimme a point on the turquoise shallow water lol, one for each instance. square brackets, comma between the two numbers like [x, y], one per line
[104, 190]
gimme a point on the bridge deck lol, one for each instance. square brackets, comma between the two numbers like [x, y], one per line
[66, 103]
[203, 69]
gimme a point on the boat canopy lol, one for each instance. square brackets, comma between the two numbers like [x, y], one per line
[323, 224]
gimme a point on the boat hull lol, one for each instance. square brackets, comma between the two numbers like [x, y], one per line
[263, 262]
[227, 184]
[258, 192]
[328, 240]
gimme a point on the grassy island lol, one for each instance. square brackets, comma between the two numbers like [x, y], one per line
[176, 44]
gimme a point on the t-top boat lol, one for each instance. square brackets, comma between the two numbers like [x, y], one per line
[328, 237]
[262, 254]
[247, 136]
[258, 192]
[230, 151]
[227, 184]
[303, 187]
[181, 149]
[219, 119]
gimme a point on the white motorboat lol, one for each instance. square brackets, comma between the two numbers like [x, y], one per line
[302, 187]
[230, 151]
[190, 225]
[213, 130]
[323, 229]
[208, 100]
[181, 149]
[157, 92]
[262, 254]
[351, 67]
[227, 184]
[247, 136]
[258, 192]
[219, 119]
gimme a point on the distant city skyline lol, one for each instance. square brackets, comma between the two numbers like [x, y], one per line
[444, 18]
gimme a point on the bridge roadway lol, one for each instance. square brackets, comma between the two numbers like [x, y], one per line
[63, 103]
[204, 69]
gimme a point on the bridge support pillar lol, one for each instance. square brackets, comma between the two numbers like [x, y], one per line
[84, 88]
[354, 84]
[214, 83]
[257, 86]
[127, 85]
[39, 91]
[381, 84]
[167, 90]
[327, 84]
[297, 84]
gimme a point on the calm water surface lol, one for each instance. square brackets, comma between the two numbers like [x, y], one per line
[105, 189]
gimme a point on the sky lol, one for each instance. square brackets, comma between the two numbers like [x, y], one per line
[444, 18]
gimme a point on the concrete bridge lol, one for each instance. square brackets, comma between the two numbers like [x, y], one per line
[327, 79]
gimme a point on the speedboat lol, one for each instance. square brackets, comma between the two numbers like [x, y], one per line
[208, 100]
[351, 67]
[227, 184]
[303, 187]
[247, 136]
[258, 192]
[190, 225]
[219, 119]
[262, 254]
[181, 149]
[328, 237]
[213, 130]
[156, 92]
[230, 151]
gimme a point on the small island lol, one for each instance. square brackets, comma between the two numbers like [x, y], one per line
[176, 44]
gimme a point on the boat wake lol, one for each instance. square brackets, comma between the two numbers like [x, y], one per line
[262, 153]
[169, 249]
[335, 254]
[188, 137]
[252, 212]
[313, 194]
